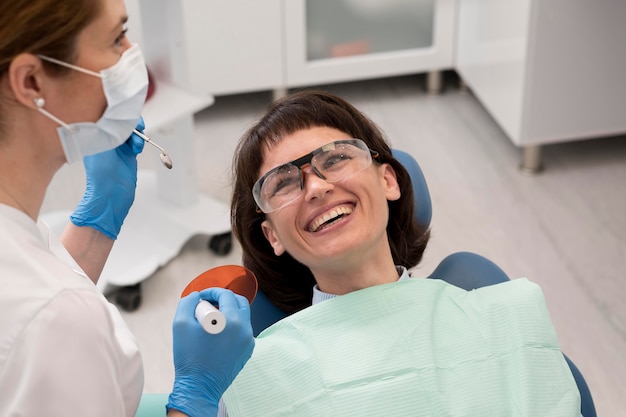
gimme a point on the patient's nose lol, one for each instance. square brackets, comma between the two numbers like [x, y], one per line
[314, 185]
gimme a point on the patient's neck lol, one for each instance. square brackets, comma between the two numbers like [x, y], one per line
[340, 281]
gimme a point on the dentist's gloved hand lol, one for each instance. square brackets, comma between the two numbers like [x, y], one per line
[205, 364]
[111, 182]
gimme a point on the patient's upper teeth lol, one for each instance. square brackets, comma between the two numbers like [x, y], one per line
[336, 212]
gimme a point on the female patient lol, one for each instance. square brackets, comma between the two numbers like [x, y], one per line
[324, 214]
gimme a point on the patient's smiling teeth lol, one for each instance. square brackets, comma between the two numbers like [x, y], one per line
[326, 217]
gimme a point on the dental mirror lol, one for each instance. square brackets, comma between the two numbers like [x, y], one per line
[165, 159]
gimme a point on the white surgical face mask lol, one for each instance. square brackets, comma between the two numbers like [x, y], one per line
[125, 87]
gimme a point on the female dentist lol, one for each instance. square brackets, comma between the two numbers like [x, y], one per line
[72, 88]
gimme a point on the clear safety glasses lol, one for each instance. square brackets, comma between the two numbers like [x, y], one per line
[332, 162]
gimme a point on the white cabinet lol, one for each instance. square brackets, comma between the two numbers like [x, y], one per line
[232, 46]
[241, 45]
[346, 40]
[547, 71]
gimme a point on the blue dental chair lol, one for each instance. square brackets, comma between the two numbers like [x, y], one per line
[462, 269]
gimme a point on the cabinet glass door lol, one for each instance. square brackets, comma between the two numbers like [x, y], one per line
[339, 28]
[346, 40]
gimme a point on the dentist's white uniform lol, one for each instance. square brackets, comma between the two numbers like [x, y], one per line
[64, 349]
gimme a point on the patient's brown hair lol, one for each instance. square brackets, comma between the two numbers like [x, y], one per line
[285, 281]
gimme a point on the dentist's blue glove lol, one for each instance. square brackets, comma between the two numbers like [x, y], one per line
[205, 364]
[111, 182]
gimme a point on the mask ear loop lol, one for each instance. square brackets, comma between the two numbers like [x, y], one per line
[40, 102]
[66, 65]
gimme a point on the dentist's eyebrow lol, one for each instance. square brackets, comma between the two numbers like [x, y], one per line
[123, 21]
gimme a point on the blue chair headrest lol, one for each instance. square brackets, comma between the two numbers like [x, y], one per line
[423, 205]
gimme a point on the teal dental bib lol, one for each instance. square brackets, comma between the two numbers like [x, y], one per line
[418, 347]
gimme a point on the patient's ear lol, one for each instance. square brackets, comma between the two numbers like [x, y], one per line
[272, 238]
[390, 183]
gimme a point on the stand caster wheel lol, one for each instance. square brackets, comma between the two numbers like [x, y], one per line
[221, 244]
[129, 298]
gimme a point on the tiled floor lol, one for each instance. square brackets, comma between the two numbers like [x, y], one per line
[564, 229]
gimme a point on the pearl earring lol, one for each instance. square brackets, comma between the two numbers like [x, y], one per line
[39, 102]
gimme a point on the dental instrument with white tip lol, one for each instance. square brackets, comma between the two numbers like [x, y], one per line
[210, 318]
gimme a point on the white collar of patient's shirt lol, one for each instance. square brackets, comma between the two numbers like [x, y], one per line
[319, 296]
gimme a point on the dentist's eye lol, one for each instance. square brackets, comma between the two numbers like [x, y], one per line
[122, 36]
